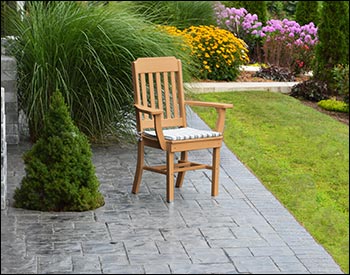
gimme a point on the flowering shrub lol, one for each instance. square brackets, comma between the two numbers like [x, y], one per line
[243, 25]
[285, 42]
[217, 52]
[238, 21]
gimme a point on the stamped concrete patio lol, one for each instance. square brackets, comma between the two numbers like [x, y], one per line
[243, 230]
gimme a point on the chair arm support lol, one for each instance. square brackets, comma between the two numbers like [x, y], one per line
[220, 108]
[156, 113]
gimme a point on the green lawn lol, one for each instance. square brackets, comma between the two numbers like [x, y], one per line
[299, 154]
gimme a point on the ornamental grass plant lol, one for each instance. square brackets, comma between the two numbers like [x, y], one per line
[181, 14]
[86, 52]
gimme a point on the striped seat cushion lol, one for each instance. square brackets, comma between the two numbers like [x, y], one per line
[184, 133]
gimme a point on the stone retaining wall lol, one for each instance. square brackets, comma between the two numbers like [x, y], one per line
[9, 83]
[10, 133]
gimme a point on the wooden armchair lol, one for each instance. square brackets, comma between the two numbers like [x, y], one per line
[161, 122]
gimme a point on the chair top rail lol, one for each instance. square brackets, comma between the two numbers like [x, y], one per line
[156, 64]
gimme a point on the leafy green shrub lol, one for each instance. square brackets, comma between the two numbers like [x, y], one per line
[86, 52]
[217, 53]
[341, 81]
[181, 14]
[275, 73]
[60, 175]
[313, 90]
[334, 105]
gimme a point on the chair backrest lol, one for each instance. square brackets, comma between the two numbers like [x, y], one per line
[158, 84]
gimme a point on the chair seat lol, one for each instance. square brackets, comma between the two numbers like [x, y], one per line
[184, 133]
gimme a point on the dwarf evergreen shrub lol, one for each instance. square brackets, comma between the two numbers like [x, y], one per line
[60, 175]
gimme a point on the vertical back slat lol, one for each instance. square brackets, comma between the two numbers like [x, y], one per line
[151, 89]
[144, 91]
[166, 93]
[136, 83]
[181, 94]
[159, 92]
[174, 94]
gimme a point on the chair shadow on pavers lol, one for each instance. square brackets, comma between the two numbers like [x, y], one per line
[161, 123]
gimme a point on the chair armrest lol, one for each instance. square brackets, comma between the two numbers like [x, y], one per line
[148, 110]
[209, 104]
[156, 113]
[220, 109]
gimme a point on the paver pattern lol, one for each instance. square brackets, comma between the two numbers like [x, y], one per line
[243, 230]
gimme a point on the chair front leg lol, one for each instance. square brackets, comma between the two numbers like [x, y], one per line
[139, 167]
[170, 176]
[215, 172]
[181, 175]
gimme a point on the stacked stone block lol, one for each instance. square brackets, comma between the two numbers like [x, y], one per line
[3, 152]
[9, 83]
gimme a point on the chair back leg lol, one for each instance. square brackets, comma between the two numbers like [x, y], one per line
[181, 175]
[139, 167]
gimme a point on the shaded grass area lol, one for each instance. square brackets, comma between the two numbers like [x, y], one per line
[299, 154]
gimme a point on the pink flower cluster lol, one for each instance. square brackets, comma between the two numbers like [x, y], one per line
[284, 42]
[244, 25]
[284, 29]
[238, 21]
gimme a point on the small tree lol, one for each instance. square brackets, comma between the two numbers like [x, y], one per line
[333, 34]
[60, 175]
[306, 12]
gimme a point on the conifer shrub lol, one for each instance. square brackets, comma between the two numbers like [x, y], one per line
[257, 7]
[333, 34]
[306, 12]
[60, 175]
